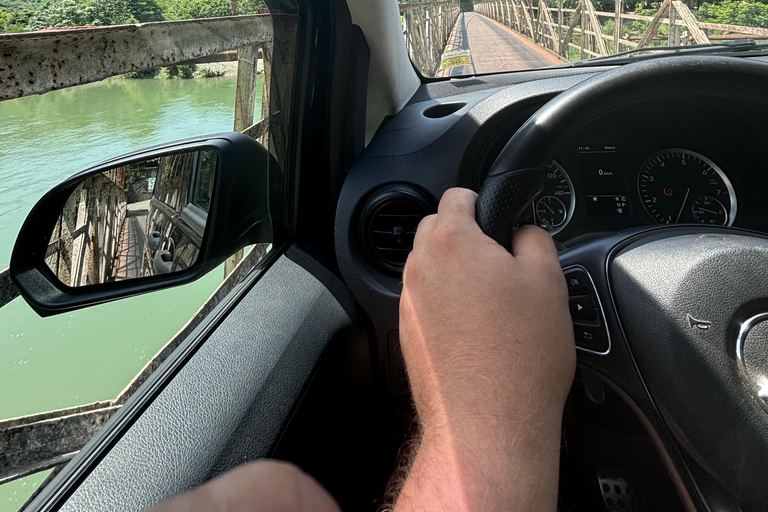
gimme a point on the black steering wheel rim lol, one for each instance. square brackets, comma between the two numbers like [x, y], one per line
[517, 174]
[711, 448]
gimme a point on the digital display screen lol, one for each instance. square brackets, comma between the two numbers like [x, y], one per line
[604, 188]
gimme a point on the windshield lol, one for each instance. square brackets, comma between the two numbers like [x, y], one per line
[460, 38]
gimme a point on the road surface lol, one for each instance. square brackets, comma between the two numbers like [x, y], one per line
[493, 47]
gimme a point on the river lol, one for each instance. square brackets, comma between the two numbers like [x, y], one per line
[91, 354]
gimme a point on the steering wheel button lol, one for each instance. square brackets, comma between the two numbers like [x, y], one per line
[582, 308]
[578, 282]
[591, 338]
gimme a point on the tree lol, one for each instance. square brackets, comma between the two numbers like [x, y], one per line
[190, 9]
[146, 10]
[734, 12]
[5, 21]
[73, 13]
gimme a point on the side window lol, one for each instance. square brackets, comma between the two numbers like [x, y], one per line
[63, 376]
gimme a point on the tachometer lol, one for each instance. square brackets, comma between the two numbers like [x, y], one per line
[554, 208]
[680, 186]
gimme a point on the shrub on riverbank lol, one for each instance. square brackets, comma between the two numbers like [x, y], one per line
[178, 71]
[209, 73]
[141, 74]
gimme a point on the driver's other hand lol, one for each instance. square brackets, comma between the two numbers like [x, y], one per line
[486, 335]
[261, 486]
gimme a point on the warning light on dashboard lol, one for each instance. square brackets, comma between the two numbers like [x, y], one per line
[667, 191]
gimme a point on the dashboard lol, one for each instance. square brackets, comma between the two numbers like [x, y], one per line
[657, 160]
[637, 168]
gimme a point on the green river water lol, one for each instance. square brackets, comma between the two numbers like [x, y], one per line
[90, 354]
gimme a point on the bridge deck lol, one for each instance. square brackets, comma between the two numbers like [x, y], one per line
[493, 47]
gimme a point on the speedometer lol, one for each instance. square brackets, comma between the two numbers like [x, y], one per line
[554, 208]
[680, 186]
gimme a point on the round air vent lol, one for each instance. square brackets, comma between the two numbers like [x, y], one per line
[388, 224]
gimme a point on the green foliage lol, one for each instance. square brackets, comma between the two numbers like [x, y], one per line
[141, 74]
[191, 9]
[734, 12]
[178, 71]
[19, 5]
[14, 21]
[186, 70]
[146, 10]
[187, 9]
[72, 13]
[209, 73]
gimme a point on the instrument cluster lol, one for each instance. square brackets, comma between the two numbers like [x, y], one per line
[672, 186]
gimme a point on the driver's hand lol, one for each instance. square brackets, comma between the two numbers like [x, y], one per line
[486, 335]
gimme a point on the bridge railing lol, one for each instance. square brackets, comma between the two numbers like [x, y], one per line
[579, 33]
[427, 26]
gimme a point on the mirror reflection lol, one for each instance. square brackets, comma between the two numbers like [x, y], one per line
[141, 219]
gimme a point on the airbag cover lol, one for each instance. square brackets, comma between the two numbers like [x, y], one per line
[681, 297]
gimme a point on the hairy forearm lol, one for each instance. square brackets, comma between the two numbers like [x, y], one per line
[508, 464]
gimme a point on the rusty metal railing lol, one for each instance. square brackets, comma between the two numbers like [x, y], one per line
[426, 28]
[556, 28]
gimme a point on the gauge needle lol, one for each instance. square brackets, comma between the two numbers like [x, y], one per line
[708, 211]
[683, 205]
[548, 208]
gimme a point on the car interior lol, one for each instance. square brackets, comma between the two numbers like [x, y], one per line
[667, 275]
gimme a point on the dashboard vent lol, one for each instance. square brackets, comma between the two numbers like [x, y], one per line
[388, 224]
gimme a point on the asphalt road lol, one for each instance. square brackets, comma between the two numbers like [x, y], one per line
[494, 47]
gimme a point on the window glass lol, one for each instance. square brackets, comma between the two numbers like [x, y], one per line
[90, 361]
[463, 37]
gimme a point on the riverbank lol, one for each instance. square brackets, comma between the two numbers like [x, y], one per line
[188, 71]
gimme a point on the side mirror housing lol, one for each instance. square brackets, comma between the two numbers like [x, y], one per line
[153, 219]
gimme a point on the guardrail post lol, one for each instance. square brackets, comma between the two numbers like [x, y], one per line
[428, 27]
[245, 105]
[617, 28]
[560, 21]
[409, 32]
[690, 21]
[653, 26]
[266, 58]
[598, 39]
[673, 38]
[583, 36]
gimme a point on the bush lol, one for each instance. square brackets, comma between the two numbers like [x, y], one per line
[187, 70]
[209, 73]
[142, 74]
[178, 71]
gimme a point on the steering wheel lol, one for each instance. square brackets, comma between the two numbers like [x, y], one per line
[680, 323]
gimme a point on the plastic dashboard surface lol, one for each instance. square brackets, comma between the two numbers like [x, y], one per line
[451, 132]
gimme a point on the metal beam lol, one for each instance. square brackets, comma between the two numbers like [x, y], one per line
[38, 62]
[47, 440]
[8, 290]
[653, 27]
[690, 21]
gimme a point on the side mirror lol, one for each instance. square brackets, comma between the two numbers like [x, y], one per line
[153, 219]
